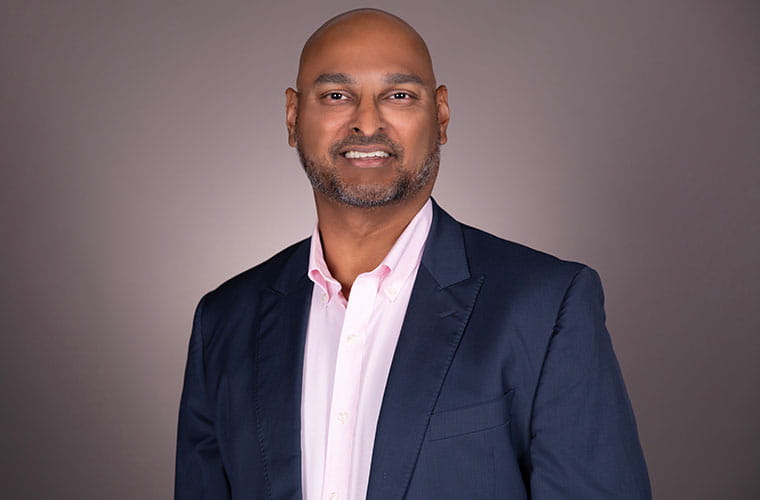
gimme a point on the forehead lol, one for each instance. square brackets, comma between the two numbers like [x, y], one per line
[365, 49]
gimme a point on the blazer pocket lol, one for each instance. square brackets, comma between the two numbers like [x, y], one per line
[473, 418]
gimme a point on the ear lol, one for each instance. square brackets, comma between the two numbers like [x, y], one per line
[291, 112]
[442, 109]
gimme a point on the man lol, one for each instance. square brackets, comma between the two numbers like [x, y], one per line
[397, 353]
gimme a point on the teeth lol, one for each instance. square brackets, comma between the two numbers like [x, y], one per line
[360, 154]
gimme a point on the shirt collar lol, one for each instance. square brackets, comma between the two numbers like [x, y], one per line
[397, 266]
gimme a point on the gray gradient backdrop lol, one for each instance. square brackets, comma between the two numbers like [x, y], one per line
[144, 160]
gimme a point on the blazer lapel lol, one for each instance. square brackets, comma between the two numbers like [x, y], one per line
[278, 373]
[442, 299]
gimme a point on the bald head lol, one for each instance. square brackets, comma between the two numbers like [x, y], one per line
[370, 27]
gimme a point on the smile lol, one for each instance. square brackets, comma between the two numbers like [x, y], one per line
[369, 154]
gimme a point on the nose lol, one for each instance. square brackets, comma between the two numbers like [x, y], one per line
[367, 118]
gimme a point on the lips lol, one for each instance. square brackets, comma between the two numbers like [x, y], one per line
[368, 151]
[370, 154]
[373, 151]
[367, 156]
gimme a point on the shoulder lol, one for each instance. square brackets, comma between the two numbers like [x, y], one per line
[241, 292]
[489, 254]
[520, 278]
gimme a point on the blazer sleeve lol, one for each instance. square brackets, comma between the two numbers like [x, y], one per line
[584, 442]
[199, 470]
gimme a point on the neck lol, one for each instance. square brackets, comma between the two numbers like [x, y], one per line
[356, 240]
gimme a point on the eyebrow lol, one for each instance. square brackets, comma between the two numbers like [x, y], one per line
[340, 78]
[401, 78]
[390, 78]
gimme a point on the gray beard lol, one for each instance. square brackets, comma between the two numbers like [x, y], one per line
[325, 179]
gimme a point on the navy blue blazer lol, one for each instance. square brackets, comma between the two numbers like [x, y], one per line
[503, 384]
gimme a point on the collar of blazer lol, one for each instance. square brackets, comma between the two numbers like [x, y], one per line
[444, 256]
[442, 299]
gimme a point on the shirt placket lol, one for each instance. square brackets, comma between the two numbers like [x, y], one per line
[345, 398]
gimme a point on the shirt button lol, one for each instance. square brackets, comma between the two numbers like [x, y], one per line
[333, 496]
[352, 338]
[342, 417]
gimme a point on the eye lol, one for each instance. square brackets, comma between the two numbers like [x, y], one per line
[334, 96]
[401, 95]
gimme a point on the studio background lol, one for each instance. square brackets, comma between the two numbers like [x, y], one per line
[144, 161]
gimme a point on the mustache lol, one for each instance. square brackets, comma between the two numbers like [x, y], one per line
[367, 140]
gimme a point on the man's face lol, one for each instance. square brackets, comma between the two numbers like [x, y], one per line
[366, 120]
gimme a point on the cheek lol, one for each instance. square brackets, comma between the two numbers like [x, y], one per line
[420, 136]
[318, 127]
[320, 132]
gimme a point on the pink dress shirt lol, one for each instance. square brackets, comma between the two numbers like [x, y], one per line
[348, 354]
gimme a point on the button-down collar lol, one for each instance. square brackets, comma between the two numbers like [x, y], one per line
[392, 272]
